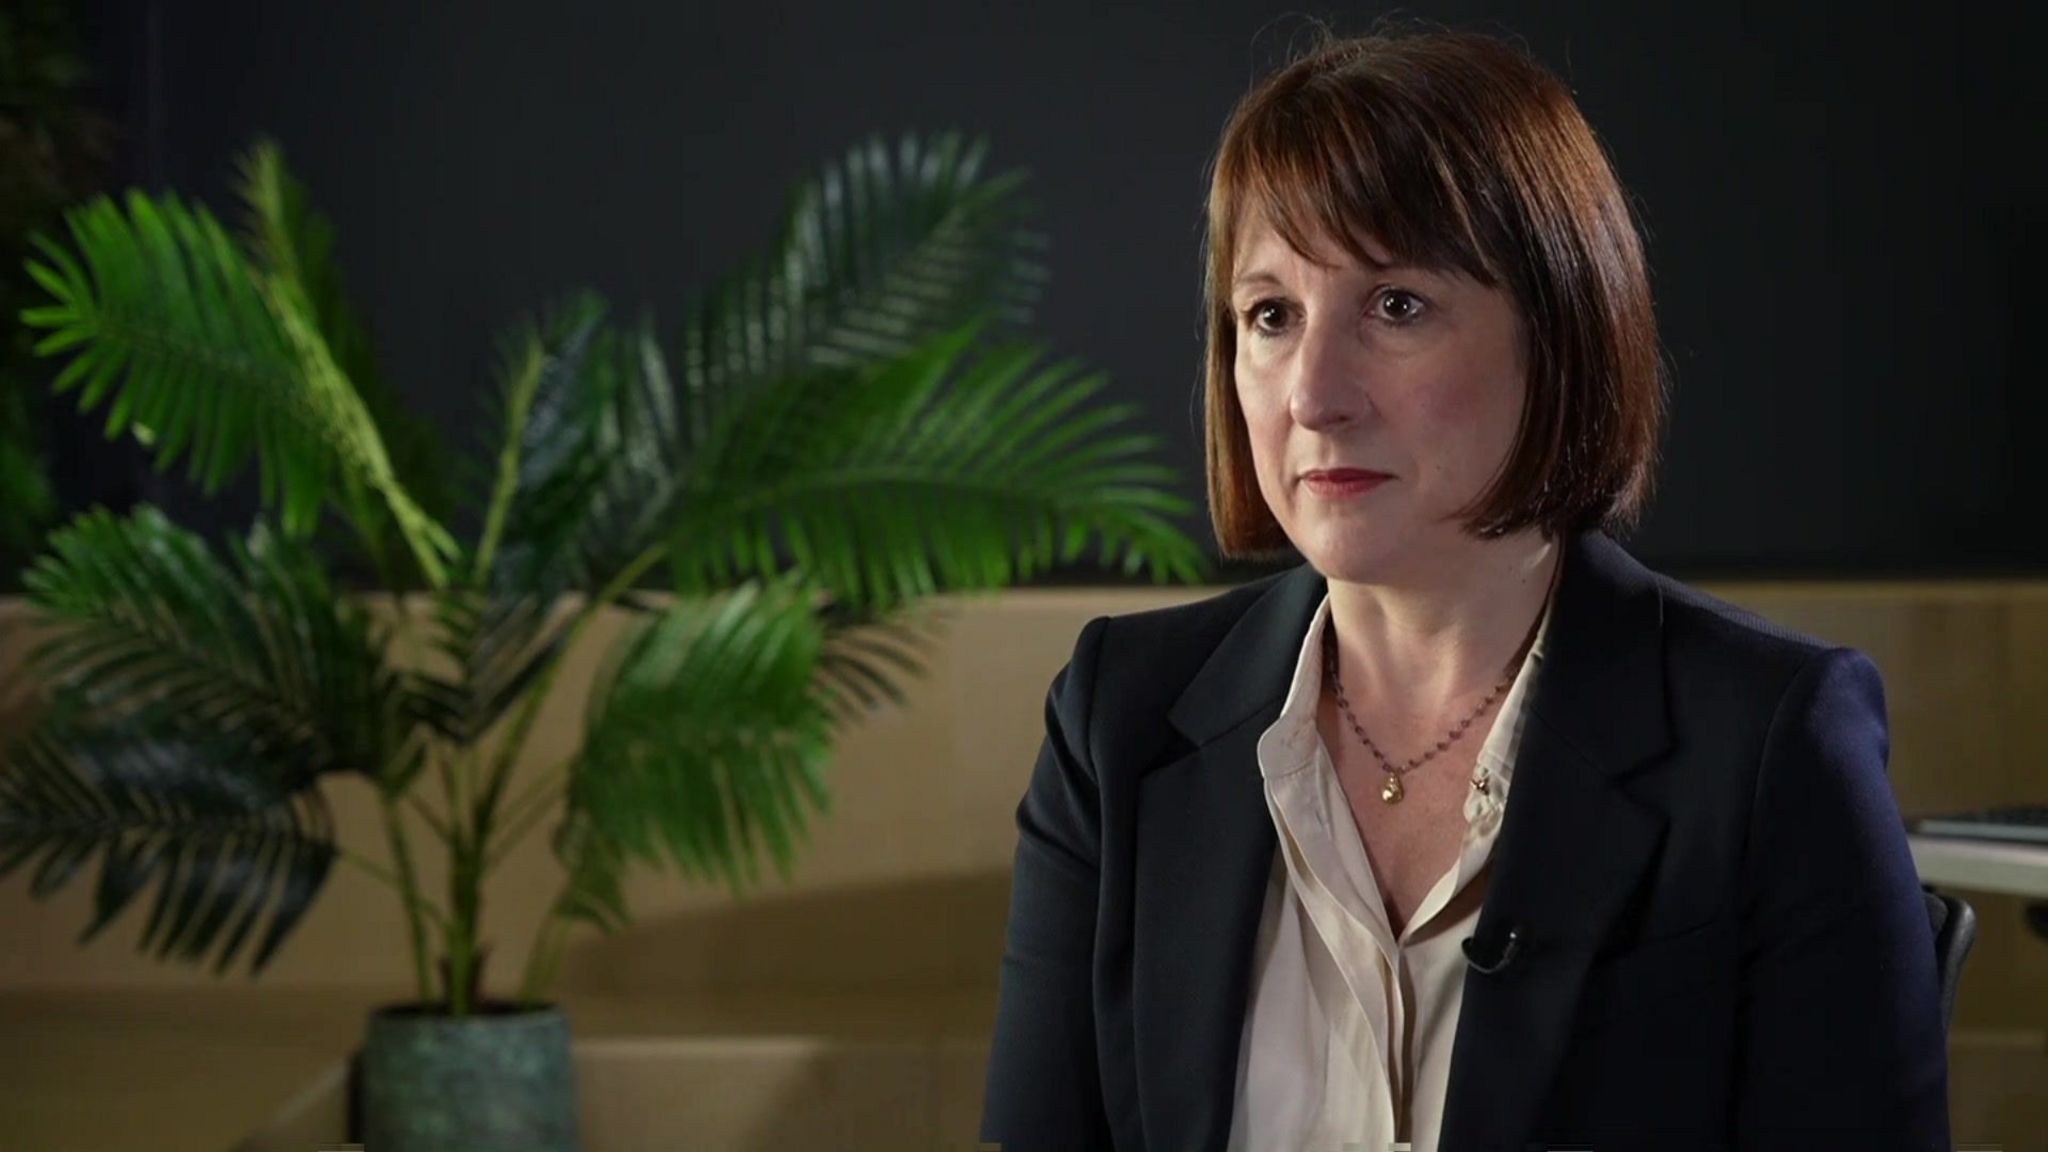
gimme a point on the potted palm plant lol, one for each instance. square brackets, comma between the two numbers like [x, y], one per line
[841, 432]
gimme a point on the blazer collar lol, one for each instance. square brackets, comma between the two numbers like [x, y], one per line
[1254, 664]
[1571, 848]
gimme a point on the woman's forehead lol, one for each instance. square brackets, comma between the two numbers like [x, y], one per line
[1262, 248]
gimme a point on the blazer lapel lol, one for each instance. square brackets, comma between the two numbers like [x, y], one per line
[1573, 846]
[1205, 853]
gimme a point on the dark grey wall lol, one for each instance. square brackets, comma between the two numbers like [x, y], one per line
[1845, 208]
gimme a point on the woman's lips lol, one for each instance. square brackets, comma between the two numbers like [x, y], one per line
[1341, 482]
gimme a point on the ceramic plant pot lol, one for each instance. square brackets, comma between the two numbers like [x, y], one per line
[500, 1080]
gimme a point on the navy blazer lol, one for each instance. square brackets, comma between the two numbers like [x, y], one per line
[1719, 937]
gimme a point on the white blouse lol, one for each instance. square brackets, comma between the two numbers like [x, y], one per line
[1348, 1031]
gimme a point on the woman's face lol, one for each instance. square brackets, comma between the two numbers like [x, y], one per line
[1380, 400]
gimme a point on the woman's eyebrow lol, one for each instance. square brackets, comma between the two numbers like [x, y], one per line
[1371, 267]
[1262, 278]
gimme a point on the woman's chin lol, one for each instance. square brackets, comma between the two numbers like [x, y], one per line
[1355, 555]
[1386, 550]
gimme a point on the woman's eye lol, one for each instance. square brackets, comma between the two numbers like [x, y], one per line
[1266, 317]
[1397, 306]
[1269, 318]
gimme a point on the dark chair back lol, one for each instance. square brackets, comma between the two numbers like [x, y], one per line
[1955, 929]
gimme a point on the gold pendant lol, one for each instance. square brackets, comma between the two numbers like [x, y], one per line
[1391, 790]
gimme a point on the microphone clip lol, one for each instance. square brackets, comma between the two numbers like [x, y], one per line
[1484, 961]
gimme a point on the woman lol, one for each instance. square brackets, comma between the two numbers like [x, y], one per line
[1469, 833]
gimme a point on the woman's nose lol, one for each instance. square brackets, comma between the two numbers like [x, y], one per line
[1327, 388]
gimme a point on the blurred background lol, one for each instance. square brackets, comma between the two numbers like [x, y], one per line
[1846, 215]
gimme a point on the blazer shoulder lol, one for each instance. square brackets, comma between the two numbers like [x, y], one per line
[1709, 635]
[1133, 666]
[1169, 644]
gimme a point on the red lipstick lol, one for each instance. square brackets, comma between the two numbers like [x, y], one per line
[1337, 483]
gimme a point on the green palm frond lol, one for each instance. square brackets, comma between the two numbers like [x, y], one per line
[707, 739]
[149, 628]
[867, 654]
[798, 393]
[546, 405]
[875, 254]
[639, 439]
[585, 437]
[223, 850]
[588, 445]
[287, 238]
[594, 888]
[878, 255]
[498, 645]
[887, 485]
[207, 359]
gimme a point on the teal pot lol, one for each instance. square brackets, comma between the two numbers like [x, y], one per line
[500, 1080]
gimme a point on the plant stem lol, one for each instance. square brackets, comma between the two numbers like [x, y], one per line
[442, 768]
[537, 693]
[459, 943]
[469, 859]
[408, 893]
[545, 960]
[385, 877]
[449, 799]
[407, 880]
[515, 829]
[465, 898]
[537, 788]
[526, 810]
[507, 485]
[433, 819]
[486, 805]
[462, 820]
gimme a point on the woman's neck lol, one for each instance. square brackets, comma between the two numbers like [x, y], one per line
[1432, 639]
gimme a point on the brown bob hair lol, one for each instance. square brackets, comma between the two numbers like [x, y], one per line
[1455, 151]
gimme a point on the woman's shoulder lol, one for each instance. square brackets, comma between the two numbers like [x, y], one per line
[1141, 662]
[1174, 634]
[1194, 626]
[1694, 610]
[1709, 640]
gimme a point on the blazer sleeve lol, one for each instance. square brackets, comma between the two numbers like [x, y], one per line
[1044, 1090]
[1839, 1024]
